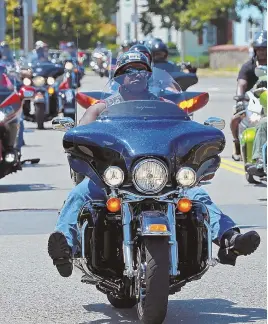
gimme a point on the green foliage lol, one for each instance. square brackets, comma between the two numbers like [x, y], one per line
[193, 14]
[201, 61]
[63, 20]
[10, 6]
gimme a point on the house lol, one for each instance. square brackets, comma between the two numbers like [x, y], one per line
[191, 44]
[244, 31]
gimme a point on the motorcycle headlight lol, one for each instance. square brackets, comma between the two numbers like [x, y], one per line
[113, 176]
[69, 65]
[150, 176]
[39, 81]
[27, 81]
[104, 65]
[50, 81]
[186, 177]
[2, 116]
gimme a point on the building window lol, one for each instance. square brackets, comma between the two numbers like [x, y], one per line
[128, 31]
[211, 34]
[200, 37]
[252, 28]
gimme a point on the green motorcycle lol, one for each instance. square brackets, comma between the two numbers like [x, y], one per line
[255, 110]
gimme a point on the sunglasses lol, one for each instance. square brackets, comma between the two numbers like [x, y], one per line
[132, 71]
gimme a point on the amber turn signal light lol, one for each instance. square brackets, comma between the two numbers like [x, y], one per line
[157, 228]
[184, 205]
[113, 205]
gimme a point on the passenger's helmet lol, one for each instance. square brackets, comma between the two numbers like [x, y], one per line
[143, 49]
[128, 58]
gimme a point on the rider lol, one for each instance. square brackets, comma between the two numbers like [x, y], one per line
[41, 50]
[245, 81]
[6, 52]
[64, 242]
[4, 79]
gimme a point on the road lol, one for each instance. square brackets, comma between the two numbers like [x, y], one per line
[32, 292]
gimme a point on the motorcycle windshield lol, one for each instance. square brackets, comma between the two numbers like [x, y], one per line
[158, 83]
[46, 69]
[136, 122]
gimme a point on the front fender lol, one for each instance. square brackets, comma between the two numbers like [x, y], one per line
[148, 218]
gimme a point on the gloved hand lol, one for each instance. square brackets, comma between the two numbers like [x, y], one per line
[240, 107]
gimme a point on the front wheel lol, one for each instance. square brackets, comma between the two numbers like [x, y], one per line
[40, 115]
[153, 286]
[121, 302]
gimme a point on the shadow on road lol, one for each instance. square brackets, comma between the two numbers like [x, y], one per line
[192, 311]
[25, 187]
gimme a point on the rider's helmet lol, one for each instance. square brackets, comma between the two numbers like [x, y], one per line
[143, 49]
[260, 45]
[130, 59]
[98, 44]
[159, 50]
[41, 49]
[70, 45]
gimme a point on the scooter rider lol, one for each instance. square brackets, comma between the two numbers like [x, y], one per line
[64, 242]
[245, 81]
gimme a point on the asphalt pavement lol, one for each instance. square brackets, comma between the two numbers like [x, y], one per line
[31, 290]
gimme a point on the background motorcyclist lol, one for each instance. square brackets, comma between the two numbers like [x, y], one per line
[245, 81]
[6, 52]
[64, 242]
[4, 79]
[41, 52]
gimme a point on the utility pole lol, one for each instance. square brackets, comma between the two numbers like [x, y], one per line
[136, 19]
[27, 24]
[2, 20]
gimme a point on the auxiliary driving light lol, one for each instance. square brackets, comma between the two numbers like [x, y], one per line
[113, 205]
[184, 205]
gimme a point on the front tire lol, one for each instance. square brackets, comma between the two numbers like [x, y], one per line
[40, 115]
[152, 308]
[121, 302]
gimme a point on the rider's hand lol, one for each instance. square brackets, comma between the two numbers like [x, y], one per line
[240, 107]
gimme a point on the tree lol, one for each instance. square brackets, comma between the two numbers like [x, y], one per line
[10, 6]
[63, 20]
[193, 14]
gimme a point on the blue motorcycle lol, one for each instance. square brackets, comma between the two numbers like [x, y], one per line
[145, 239]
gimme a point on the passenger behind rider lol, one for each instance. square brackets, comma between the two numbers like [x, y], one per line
[245, 82]
[63, 244]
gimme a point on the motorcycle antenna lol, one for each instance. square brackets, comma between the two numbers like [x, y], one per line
[76, 90]
[14, 51]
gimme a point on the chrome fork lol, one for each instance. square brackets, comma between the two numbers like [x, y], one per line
[127, 240]
[174, 259]
[211, 261]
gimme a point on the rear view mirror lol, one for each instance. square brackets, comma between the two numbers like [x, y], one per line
[216, 122]
[62, 123]
[261, 71]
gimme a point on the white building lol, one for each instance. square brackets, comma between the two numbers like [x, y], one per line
[193, 44]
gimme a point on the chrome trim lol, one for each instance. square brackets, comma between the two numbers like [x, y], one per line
[135, 197]
[156, 233]
[211, 261]
[174, 259]
[143, 162]
[47, 108]
[127, 240]
[83, 229]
